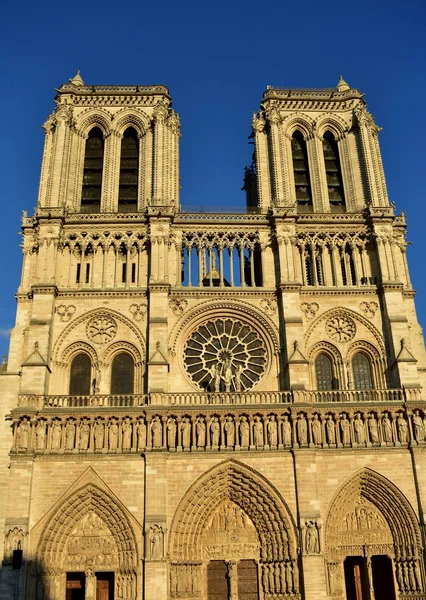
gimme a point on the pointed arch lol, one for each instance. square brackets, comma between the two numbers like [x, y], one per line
[128, 117]
[249, 490]
[303, 123]
[94, 117]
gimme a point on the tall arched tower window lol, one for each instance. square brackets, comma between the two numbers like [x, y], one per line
[333, 172]
[324, 373]
[129, 172]
[80, 375]
[361, 368]
[92, 174]
[301, 172]
[122, 374]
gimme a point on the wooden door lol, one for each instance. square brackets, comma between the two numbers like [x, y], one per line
[217, 580]
[104, 586]
[248, 583]
[75, 588]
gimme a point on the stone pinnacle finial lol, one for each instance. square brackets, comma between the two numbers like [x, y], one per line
[342, 86]
[77, 80]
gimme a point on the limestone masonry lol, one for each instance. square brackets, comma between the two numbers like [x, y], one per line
[213, 406]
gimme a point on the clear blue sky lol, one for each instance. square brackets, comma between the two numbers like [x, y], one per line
[216, 58]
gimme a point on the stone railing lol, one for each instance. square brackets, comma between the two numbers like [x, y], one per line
[223, 398]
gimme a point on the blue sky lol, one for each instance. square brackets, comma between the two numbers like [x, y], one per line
[217, 59]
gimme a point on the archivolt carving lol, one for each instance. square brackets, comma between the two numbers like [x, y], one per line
[299, 122]
[95, 116]
[331, 123]
[369, 509]
[249, 492]
[128, 117]
[118, 347]
[329, 348]
[366, 347]
[207, 310]
[77, 347]
[87, 507]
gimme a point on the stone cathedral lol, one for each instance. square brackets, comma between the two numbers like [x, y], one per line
[213, 405]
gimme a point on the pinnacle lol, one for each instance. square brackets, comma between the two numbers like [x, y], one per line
[342, 86]
[77, 80]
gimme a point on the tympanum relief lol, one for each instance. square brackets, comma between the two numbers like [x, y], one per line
[91, 543]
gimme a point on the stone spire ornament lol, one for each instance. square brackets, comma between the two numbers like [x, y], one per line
[342, 86]
[77, 80]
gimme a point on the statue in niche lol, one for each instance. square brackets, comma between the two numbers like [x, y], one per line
[126, 429]
[302, 430]
[157, 432]
[265, 579]
[271, 578]
[237, 378]
[227, 374]
[84, 434]
[277, 573]
[23, 434]
[41, 435]
[171, 432]
[99, 434]
[156, 542]
[215, 373]
[330, 429]
[286, 431]
[113, 434]
[402, 427]
[56, 434]
[419, 430]
[372, 428]
[346, 431]
[289, 577]
[70, 435]
[90, 584]
[244, 432]
[186, 432]
[387, 428]
[97, 381]
[13, 540]
[272, 431]
[201, 432]
[316, 430]
[141, 434]
[215, 431]
[359, 429]
[257, 431]
[229, 432]
[311, 538]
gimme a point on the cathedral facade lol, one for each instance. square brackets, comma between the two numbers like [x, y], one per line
[213, 406]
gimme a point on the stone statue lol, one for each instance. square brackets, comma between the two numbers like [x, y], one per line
[286, 431]
[271, 428]
[359, 429]
[70, 435]
[215, 431]
[330, 429]
[23, 434]
[201, 432]
[346, 431]
[84, 434]
[289, 577]
[227, 375]
[186, 432]
[113, 435]
[244, 432]
[126, 429]
[171, 432]
[316, 430]
[237, 378]
[56, 435]
[141, 434]
[402, 428]
[311, 538]
[155, 540]
[214, 371]
[257, 431]
[157, 432]
[419, 430]
[99, 435]
[41, 434]
[372, 428]
[302, 430]
[387, 428]
[229, 432]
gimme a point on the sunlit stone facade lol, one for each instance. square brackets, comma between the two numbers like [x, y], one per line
[213, 406]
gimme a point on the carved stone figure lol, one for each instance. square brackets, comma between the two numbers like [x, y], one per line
[302, 430]
[24, 434]
[387, 428]
[418, 426]
[99, 432]
[214, 371]
[70, 435]
[257, 431]
[215, 431]
[41, 434]
[316, 430]
[227, 375]
[271, 428]
[244, 432]
[56, 433]
[201, 432]
[229, 432]
[141, 434]
[330, 429]
[359, 429]
[286, 431]
[157, 432]
[84, 434]
[402, 428]
[113, 435]
[156, 542]
[171, 432]
[372, 428]
[186, 433]
[13, 540]
[311, 538]
[346, 431]
[288, 577]
[237, 378]
[126, 429]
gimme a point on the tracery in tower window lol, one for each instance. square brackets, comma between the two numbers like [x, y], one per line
[325, 377]
[302, 179]
[80, 375]
[122, 374]
[225, 355]
[92, 173]
[333, 173]
[129, 172]
[361, 369]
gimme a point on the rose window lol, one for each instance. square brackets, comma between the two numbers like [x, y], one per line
[101, 329]
[225, 355]
[340, 328]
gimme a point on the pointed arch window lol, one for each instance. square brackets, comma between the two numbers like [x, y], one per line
[361, 369]
[301, 172]
[92, 173]
[324, 373]
[80, 375]
[333, 172]
[122, 374]
[129, 172]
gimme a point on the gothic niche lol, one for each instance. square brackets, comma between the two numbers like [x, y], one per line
[225, 355]
[230, 534]
[91, 544]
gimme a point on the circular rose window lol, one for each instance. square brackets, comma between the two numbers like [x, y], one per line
[225, 355]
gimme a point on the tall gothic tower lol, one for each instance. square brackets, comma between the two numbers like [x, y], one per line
[213, 406]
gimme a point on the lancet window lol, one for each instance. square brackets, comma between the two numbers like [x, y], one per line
[129, 172]
[301, 172]
[92, 173]
[361, 369]
[80, 375]
[122, 374]
[333, 172]
[325, 377]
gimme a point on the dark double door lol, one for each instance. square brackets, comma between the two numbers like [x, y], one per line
[76, 585]
[357, 581]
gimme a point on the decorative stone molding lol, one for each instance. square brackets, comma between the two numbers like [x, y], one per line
[65, 312]
[309, 309]
[101, 329]
[269, 306]
[340, 328]
[178, 306]
[138, 310]
[369, 308]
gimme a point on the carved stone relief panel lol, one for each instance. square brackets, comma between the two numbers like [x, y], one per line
[13, 540]
[363, 525]
[340, 328]
[91, 543]
[101, 330]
